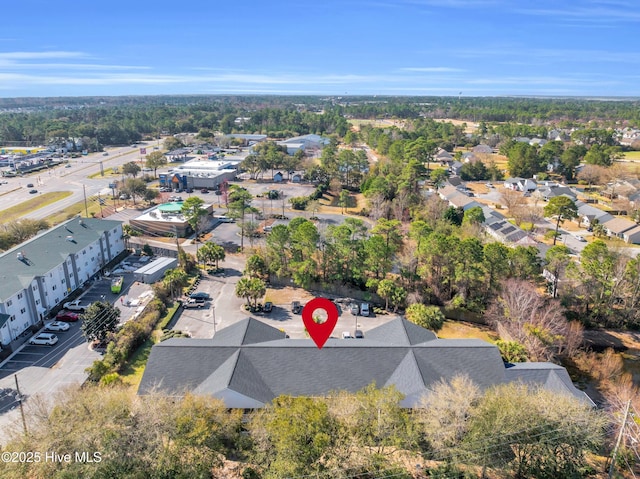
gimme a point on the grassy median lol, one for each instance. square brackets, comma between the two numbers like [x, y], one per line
[18, 211]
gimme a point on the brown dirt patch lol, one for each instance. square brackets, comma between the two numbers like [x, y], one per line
[287, 294]
[465, 330]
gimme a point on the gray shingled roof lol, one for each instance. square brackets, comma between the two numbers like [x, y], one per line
[549, 375]
[247, 373]
[44, 252]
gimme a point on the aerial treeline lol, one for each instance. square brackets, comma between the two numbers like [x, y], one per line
[437, 258]
[593, 146]
[495, 109]
[118, 124]
[457, 431]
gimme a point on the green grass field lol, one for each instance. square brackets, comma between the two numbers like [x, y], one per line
[18, 211]
[632, 155]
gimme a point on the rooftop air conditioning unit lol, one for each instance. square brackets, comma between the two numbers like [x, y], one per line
[70, 238]
[20, 255]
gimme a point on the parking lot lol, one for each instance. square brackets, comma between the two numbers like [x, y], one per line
[46, 369]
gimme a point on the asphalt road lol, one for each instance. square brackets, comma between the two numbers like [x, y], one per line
[72, 179]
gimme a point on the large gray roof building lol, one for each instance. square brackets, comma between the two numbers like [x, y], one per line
[250, 363]
[42, 272]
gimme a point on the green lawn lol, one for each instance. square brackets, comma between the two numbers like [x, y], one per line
[632, 155]
[18, 211]
[132, 373]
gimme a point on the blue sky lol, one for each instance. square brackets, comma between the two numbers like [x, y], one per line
[337, 47]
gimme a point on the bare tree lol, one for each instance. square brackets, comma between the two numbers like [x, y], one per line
[444, 412]
[515, 203]
[520, 314]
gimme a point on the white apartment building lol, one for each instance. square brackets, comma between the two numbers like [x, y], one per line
[42, 272]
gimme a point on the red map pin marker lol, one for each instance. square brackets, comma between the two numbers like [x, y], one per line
[320, 332]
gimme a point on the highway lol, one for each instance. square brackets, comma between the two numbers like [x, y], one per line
[72, 179]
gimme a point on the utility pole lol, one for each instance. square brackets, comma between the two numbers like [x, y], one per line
[19, 398]
[619, 440]
[84, 192]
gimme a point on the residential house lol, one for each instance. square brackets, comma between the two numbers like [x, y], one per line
[538, 142]
[548, 192]
[40, 273]
[520, 184]
[619, 226]
[250, 363]
[587, 214]
[443, 156]
[455, 168]
[482, 149]
[632, 236]
[278, 177]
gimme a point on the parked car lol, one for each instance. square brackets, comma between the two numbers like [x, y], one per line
[29, 185]
[75, 305]
[218, 192]
[67, 316]
[106, 153]
[46, 339]
[124, 196]
[33, 192]
[358, 334]
[200, 295]
[364, 309]
[193, 303]
[268, 307]
[56, 326]
[355, 310]
[580, 238]
[346, 335]
[204, 191]
[296, 307]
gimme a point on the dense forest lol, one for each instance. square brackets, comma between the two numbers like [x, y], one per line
[121, 120]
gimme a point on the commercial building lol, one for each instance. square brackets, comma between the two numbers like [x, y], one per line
[250, 363]
[165, 220]
[39, 274]
[198, 174]
[154, 270]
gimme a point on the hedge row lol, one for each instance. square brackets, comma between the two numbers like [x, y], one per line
[129, 338]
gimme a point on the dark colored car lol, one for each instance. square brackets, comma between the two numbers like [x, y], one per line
[67, 316]
[296, 307]
[33, 192]
[200, 295]
[204, 191]
[358, 334]
[29, 185]
[268, 307]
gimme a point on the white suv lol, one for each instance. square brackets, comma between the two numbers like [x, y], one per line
[46, 339]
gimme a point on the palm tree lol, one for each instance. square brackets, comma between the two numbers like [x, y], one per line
[174, 279]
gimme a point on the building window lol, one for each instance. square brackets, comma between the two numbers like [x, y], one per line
[93, 258]
[22, 310]
[86, 263]
[9, 303]
[84, 252]
[64, 280]
[54, 287]
[37, 301]
[12, 317]
[19, 295]
[33, 288]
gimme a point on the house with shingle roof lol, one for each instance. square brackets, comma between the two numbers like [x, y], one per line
[249, 363]
[619, 226]
[587, 214]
